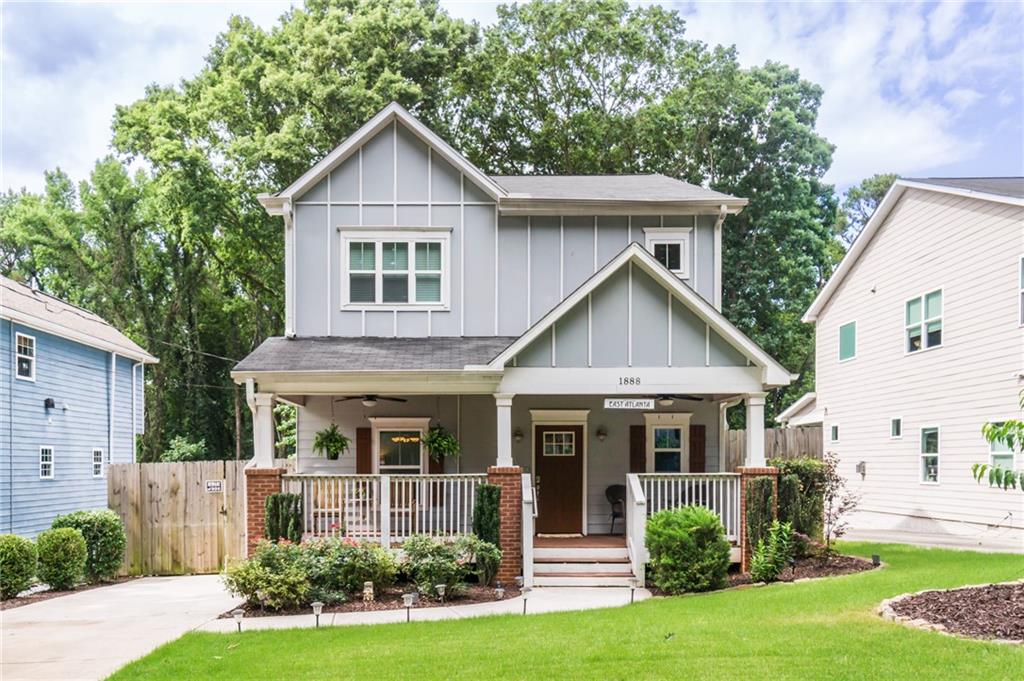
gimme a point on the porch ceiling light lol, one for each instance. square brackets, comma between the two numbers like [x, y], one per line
[665, 401]
[370, 401]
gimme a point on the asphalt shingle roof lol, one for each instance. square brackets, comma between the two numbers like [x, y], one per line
[654, 187]
[333, 353]
[1001, 186]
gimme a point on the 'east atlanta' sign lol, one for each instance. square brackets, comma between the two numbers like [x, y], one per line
[628, 403]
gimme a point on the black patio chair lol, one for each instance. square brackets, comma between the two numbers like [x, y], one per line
[616, 496]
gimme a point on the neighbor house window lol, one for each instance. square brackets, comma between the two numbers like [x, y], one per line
[46, 463]
[833, 434]
[25, 358]
[400, 451]
[670, 247]
[929, 455]
[896, 428]
[924, 321]
[97, 463]
[397, 270]
[847, 341]
[1000, 454]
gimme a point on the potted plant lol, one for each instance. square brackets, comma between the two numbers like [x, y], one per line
[331, 442]
[441, 443]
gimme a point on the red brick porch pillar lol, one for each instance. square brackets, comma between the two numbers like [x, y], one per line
[746, 475]
[260, 483]
[510, 510]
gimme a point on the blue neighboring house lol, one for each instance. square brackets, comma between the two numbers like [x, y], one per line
[72, 404]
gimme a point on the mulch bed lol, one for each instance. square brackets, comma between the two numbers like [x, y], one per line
[36, 595]
[993, 611]
[813, 567]
[390, 599]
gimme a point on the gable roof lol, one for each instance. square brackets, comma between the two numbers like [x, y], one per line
[803, 412]
[774, 373]
[38, 310]
[653, 188]
[984, 189]
[389, 114]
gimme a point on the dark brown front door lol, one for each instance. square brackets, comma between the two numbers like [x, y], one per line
[558, 456]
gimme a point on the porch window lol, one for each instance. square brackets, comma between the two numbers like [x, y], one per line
[396, 270]
[924, 322]
[668, 450]
[400, 451]
[930, 455]
[26, 356]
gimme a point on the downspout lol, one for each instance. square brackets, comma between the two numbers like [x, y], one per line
[289, 270]
[112, 393]
[723, 429]
[135, 398]
[10, 435]
[722, 212]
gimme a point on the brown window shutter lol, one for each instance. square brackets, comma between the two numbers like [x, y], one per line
[638, 449]
[697, 439]
[364, 451]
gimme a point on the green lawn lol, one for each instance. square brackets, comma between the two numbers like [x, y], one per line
[813, 630]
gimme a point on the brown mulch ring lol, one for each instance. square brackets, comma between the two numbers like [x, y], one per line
[812, 568]
[390, 599]
[36, 595]
[991, 611]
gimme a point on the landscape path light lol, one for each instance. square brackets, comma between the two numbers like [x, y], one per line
[238, 614]
[408, 600]
[318, 608]
[525, 592]
[440, 591]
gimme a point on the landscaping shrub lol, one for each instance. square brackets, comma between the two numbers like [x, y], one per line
[283, 517]
[483, 555]
[337, 566]
[689, 551]
[801, 486]
[429, 562]
[104, 540]
[62, 557]
[486, 516]
[772, 553]
[759, 508]
[274, 577]
[17, 564]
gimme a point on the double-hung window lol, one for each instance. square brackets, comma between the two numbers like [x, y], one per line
[395, 270]
[667, 442]
[46, 463]
[1000, 454]
[97, 463]
[670, 247]
[400, 451]
[847, 341]
[923, 320]
[25, 357]
[930, 455]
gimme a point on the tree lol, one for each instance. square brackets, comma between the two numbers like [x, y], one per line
[859, 204]
[839, 501]
[284, 430]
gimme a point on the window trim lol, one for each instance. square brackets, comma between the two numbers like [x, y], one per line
[52, 462]
[672, 235]
[17, 355]
[379, 424]
[833, 428]
[410, 235]
[677, 419]
[891, 420]
[1014, 455]
[839, 350]
[924, 323]
[921, 455]
[101, 463]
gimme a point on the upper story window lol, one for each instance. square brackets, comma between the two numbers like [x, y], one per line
[25, 356]
[924, 321]
[396, 270]
[671, 247]
[847, 341]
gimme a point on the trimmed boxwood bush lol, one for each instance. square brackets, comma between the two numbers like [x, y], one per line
[339, 566]
[105, 540]
[689, 551]
[284, 517]
[62, 557]
[17, 564]
[484, 556]
[486, 516]
[273, 578]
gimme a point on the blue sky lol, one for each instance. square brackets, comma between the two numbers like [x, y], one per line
[915, 88]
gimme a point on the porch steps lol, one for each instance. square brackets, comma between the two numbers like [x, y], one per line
[576, 565]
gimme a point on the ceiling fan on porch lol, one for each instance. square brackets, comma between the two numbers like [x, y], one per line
[668, 400]
[370, 400]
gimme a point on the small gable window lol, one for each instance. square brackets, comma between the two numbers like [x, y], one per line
[396, 270]
[847, 341]
[924, 322]
[25, 357]
[670, 247]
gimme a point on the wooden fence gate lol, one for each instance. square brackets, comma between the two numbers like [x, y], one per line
[180, 518]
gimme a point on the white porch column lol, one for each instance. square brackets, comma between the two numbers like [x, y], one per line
[503, 402]
[263, 430]
[755, 430]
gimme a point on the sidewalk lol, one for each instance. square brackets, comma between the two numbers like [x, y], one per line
[540, 600]
[939, 540]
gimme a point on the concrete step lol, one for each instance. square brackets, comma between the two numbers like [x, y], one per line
[582, 568]
[581, 553]
[569, 558]
[582, 579]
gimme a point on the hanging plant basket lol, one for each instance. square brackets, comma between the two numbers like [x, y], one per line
[440, 443]
[331, 442]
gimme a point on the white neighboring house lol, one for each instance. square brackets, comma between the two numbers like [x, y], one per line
[920, 342]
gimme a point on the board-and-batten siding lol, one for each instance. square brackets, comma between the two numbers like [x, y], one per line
[78, 376]
[516, 268]
[971, 250]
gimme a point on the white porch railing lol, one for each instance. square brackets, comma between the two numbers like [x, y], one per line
[529, 515]
[719, 492]
[636, 526]
[385, 508]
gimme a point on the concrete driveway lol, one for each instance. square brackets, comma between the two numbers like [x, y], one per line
[90, 635]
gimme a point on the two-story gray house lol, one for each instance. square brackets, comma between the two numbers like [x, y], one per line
[564, 328]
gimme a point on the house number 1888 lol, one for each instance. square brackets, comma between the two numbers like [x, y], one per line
[629, 380]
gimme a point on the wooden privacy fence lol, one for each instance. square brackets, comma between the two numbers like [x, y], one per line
[779, 443]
